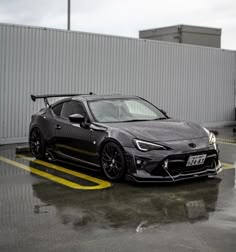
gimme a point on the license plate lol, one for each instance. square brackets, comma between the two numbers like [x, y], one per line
[196, 160]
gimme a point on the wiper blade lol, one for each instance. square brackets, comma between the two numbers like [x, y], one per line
[136, 120]
[144, 120]
[161, 118]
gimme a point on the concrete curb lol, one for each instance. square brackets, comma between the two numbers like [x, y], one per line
[22, 149]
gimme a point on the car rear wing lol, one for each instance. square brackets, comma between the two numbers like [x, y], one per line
[45, 97]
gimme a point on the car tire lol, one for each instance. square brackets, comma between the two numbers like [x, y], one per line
[37, 144]
[113, 162]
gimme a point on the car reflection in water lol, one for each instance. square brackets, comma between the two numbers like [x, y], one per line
[129, 206]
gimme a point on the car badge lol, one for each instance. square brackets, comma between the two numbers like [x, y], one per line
[192, 145]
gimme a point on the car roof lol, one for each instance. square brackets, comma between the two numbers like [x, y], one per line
[94, 97]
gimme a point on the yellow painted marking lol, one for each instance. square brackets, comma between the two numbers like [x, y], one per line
[53, 177]
[101, 183]
[225, 141]
[228, 166]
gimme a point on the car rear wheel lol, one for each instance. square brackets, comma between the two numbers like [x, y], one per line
[113, 162]
[37, 143]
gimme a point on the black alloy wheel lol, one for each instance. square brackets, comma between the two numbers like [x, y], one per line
[37, 144]
[113, 162]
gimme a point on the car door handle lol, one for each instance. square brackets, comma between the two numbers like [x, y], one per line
[58, 127]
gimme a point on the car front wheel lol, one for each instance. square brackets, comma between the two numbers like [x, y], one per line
[113, 162]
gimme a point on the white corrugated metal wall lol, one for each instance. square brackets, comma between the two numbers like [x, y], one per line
[190, 82]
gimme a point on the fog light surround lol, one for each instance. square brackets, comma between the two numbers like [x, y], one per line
[140, 163]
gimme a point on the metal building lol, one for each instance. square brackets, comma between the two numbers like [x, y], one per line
[189, 82]
[185, 34]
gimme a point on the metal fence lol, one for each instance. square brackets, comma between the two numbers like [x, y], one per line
[189, 82]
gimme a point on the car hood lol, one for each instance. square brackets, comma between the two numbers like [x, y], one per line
[162, 130]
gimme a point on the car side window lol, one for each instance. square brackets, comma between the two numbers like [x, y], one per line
[57, 109]
[72, 107]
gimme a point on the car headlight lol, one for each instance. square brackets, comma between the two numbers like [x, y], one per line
[212, 138]
[147, 146]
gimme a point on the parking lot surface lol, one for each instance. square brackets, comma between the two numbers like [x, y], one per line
[56, 207]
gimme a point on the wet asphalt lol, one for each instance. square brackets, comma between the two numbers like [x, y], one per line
[37, 214]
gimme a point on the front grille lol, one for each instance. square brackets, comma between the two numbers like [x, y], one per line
[177, 164]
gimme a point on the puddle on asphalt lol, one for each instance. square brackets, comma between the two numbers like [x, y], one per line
[140, 207]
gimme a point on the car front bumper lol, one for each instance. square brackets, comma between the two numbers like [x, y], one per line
[170, 166]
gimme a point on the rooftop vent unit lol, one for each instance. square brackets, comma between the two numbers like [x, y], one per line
[185, 34]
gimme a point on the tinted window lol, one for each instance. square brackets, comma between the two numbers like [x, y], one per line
[120, 110]
[57, 109]
[72, 107]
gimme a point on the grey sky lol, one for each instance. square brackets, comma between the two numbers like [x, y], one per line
[124, 17]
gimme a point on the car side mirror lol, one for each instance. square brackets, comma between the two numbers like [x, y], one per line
[77, 118]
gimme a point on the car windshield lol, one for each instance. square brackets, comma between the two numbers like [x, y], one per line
[124, 110]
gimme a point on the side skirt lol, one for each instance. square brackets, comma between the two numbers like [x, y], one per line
[59, 156]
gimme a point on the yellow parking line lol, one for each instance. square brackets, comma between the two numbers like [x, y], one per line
[228, 166]
[224, 141]
[53, 177]
[101, 183]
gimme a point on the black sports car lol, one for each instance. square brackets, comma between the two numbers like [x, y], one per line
[122, 136]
